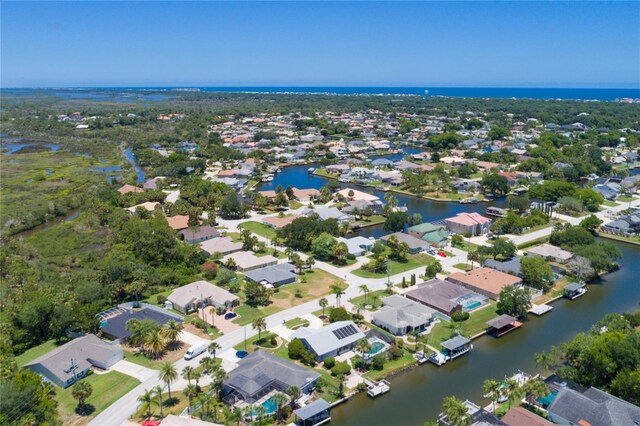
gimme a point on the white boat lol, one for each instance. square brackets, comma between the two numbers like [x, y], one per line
[310, 170]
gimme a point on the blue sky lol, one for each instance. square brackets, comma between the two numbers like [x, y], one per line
[497, 44]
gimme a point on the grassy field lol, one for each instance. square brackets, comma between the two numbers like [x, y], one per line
[296, 323]
[107, 389]
[140, 359]
[35, 352]
[390, 366]
[318, 284]
[373, 299]
[610, 203]
[463, 266]
[467, 246]
[413, 261]
[474, 325]
[259, 228]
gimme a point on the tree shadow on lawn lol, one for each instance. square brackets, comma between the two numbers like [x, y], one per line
[85, 410]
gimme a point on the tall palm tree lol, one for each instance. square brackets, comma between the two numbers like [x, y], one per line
[190, 392]
[259, 324]
[365, 289]
[536, 388]
[168, 374]
[207, 364]
[512, 389]
[218, 376]
[82, 391]
[172, 329]
[187, 373]
[248, 412]
[146, 401]
[157, 392]
[294, 392]
[456, 411]
[212, 348]
[155, 343]
[544, 360]
[196, 375]
[338, 290]
[323, 302]
[491, 390]
[260, 412]
[279, 399]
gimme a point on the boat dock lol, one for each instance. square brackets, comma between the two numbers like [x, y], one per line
[374, 389]
[451, 349]
[575, 290]
[420, 357]
[540, 309]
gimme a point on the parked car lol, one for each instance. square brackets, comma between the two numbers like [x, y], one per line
[230, 315]
[196, 350]
[442, 254]
[242, 354]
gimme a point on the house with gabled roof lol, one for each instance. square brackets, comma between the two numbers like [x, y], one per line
[331, 340]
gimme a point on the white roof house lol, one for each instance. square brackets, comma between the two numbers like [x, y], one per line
[330, 340]
[247, 261]
[190, 296]
[548, 250]
[400, 315]
[223, 245]
[357, 245]
[328, 213]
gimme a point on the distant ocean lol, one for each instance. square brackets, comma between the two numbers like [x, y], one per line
[462, 92]
[467, 92]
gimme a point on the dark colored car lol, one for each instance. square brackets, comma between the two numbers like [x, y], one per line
[230, 315]
[242, 354]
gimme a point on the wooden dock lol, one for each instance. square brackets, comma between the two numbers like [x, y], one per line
[375, 389]
[540, 309]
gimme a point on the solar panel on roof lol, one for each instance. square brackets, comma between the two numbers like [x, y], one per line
[344, 332]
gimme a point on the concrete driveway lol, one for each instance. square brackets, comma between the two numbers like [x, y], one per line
[134, 370]
[191, 339]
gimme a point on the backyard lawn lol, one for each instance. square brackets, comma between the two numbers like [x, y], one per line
[259, 228]
[474, 325]
[140, 359]
[373, 299]
[390, 366]
[107, 389]
[35, 352]
[414, 261]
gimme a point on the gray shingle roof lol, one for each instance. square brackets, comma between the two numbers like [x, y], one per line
[501, 321]
[272, 274]
[401, 312]
[316, 407]
[261, 368]
[594, 406]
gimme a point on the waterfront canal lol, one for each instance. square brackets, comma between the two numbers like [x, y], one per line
[416, 395]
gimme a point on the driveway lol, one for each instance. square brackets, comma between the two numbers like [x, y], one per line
[191, 339]
[134, 370]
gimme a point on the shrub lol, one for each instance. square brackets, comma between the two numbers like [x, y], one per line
[460, 316]
[298, 293]
[351, 256]
[339, 314]
[361, 387]
[273, 340]
[329, 363]
[378, 363]
[297, 350]
[209, 270]
[395, 352]
[358, 363]
[341, 368]
[161, 299]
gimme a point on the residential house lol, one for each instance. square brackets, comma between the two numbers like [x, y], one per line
[400, 315]
[591, 407]
[148, 206]
[549, 251]
[115, 326]
[445, 296]
[305, 194]
[222, 245]
[511, 266]
[273, 275]
[325, 213]
[355, 195]
[627, 225]
[125, 189]
[486, 281]
[519, 416]
[472, 223]
[247, 261]
[331, 340]
[66, 364]
[416, 245]
[434, 234]
[357, 246]
[178, 222]
[279, 222]
[199, 234]
[315, 413]
[262, 372]
[377, 207]
[200, 293]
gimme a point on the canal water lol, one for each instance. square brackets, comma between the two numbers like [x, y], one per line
[416, 395]
[132, 159]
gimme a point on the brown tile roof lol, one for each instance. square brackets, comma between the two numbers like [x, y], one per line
[178, 222]
[129, 188]
[518, 416]
[279, 222]
[486, 279]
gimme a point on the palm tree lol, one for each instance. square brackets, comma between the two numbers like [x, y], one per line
[389, 287]
[512, 389]
[323, 304]
[289, 252]
[260, 411]
[213, 347]
[294, 392]
[190, 391]
[536, 388]
[364, 289]
[207, 364]
[259, 324]
[338, 290]
[157, 392]
[310, 262]
[491, 390]
[218, 376]
[168, 374]
[456, 411]
[146, 401]
[279, 400]
[187, 373]
[81, 391]
[197, 375]
[155, 343]
[235, 416]
[473, 256]
[248, 412]
[172, 329]
[544, 360]
[363, 346]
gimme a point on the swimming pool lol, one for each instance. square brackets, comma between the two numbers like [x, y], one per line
[376, 347]
[545, 401]
[472, 305]
[270, 407]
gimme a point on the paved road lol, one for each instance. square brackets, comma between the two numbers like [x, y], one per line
[119, 412]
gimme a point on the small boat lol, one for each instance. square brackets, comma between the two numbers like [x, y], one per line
[310, 170]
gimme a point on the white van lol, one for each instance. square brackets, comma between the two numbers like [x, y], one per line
[196, 350]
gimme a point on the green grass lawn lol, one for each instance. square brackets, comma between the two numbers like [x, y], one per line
[474, 325]
[413, 261]
[107, 389]
[610, 203]
[35, 352]
[296, 323]
[153, 299]
[463, 266]
[390, 366]
[235, 236]
[467, 246]
[373, 299]
[252, 343]
[248, 313]
[626, 198]
[259, 229]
